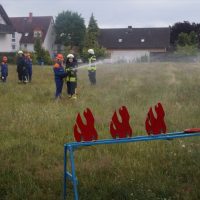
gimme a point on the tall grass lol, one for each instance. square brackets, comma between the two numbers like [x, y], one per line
[33, 129]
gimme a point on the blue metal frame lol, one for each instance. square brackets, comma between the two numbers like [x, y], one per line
[70, 147]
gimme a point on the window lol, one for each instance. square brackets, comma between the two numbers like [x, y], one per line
[13, 46]
[25, 46]
[13, 35]
[13, 39]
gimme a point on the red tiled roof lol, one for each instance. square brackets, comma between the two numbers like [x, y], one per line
[28, 25]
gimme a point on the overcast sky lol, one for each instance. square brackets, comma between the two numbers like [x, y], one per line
[112, 13]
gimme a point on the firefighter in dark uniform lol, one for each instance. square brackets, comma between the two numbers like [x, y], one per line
[28, 61]
[21, 68]
[71, 79]
[92, 67]
[4, 69]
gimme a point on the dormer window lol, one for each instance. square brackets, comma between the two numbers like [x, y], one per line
[120, 40]
[37, 33]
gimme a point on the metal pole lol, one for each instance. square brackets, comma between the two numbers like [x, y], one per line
[74, 180]
[168, 136]
[65, 174]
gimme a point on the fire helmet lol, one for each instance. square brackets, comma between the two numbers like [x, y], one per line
[91, 51]
[4, 58]
[20, 52]
[59, 57]
[70, 56]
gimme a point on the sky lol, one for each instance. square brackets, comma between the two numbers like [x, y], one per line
[112, 13]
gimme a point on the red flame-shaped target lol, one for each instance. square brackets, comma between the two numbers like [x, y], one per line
[155, 125]
[87, 131]
[121, 129]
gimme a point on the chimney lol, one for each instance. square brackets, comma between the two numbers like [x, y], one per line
[30, 17]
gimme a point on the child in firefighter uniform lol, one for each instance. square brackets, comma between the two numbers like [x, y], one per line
[21, 68]
[4, 69]
[92, 67]
[71, 79]
[28, 61]
[59, 75]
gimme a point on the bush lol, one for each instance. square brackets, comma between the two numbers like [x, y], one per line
[188, 50]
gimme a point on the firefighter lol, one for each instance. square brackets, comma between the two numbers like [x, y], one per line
[92, 67]
[4, 69]
[28, 61]
[59, 74]
[21, 67]
[71, 80]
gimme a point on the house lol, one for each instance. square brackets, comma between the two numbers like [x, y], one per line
[32, 27]
[131, 44]
[6, 31]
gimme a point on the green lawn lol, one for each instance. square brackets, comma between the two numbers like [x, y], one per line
[33, 129]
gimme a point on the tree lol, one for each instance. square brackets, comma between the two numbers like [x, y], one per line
[181, 27]
[92, 34]
[187, 43]
[91, 40]
[187, 39]
[40, 53]
[70, 29]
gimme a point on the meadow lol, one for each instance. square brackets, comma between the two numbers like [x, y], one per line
[34, 128]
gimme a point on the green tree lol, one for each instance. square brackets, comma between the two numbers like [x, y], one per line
[91, 40]
[193, 38]
[183, 39]
[70, 29]
[187, 44]
[187, 39]
[41, 53]
[92, 34]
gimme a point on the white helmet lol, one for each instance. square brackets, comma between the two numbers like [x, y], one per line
[20, 52]
[91, 51]
[70, 56]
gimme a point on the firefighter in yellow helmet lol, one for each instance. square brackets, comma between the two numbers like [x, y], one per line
[92, 66]
[71, 80]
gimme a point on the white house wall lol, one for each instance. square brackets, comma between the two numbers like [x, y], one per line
[49, 41]
[16, 43]
[27, 47]
[128, 55]
[5, 42]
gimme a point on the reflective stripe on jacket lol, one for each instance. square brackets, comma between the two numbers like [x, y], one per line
[92, 65]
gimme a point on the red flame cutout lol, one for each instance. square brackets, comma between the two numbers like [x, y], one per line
[88, 131]
[155, 125]
[120, 129]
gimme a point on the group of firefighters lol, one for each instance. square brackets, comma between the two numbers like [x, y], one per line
[67, 73]
[24, 68]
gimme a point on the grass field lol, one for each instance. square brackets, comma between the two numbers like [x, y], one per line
[33, 129]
